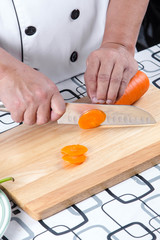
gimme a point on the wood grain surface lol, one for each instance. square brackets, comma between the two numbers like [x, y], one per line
[45, 185]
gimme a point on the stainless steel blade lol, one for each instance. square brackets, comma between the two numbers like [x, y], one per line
[116, 115]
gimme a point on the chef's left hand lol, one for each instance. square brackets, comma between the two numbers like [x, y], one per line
[109, 70]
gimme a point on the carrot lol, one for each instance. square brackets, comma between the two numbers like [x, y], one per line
[91, 118]
[74, 150]
[136, 88]
[74, 159]
[74, 153]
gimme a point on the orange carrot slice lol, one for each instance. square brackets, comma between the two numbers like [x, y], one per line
[91, 118]
[136, 88]
[74, 159]
[74, 150]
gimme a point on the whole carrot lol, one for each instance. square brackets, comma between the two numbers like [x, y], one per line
[136, 88]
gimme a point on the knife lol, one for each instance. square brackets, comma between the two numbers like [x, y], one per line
[116, 115]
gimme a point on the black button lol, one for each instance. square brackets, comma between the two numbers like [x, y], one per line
[30, 30]
[74, 56]
[75, 14]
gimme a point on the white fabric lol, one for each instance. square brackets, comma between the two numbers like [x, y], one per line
[57, 35]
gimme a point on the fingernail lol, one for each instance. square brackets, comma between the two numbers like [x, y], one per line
[109, 101]
[94, 100]
[101, 101]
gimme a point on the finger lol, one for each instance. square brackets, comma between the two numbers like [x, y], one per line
[103, 80]
[16, 109]
[17, 116]
[127, 75]
[91, 77]
[58, 106]
[114, 84]
[43, 113]
[30, 115]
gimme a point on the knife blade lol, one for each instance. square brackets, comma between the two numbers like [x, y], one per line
[116, 115]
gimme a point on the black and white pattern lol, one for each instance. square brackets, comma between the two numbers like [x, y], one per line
[128, 211]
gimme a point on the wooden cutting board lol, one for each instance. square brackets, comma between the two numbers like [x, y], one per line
[44, 184]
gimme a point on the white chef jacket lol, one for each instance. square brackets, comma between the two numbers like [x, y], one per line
[53, 36]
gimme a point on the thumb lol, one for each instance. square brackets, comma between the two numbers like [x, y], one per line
[58, 106]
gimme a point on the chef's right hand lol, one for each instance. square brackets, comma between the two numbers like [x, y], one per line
[27, 94]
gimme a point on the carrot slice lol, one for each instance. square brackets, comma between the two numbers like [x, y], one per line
[74, 150]
[74, 159]
[136, 88]
[91, 118]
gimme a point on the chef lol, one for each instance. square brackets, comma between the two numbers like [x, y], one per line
[43, 42]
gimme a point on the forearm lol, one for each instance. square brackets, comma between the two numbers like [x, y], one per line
[124, 18]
